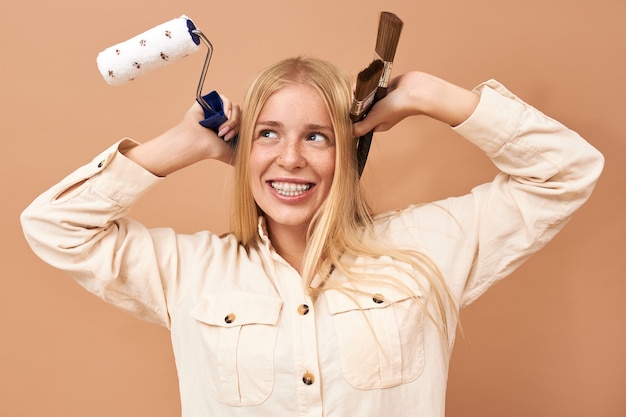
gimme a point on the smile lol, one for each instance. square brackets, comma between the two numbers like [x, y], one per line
[290, 189]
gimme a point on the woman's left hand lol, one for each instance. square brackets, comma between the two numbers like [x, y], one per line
[418, 93]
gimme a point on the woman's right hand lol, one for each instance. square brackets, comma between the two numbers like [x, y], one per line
[189, 142]
[211, 144]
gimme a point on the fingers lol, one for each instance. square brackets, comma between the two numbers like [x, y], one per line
[374, 121]
[230, 128]
[363, 127]
[386, 113]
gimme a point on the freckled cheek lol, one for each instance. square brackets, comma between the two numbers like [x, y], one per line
[257, 163]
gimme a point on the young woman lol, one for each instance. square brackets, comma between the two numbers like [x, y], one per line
[313, 305]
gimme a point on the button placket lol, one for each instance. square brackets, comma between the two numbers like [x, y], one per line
[304, 342]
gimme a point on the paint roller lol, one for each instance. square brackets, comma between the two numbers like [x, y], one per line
[155, 48]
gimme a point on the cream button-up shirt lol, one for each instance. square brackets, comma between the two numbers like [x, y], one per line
[249, 341]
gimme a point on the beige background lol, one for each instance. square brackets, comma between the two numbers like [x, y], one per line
[549, 341]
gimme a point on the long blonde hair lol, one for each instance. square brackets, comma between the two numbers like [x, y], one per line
[340, 226]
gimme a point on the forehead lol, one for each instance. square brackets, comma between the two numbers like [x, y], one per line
[296, 103]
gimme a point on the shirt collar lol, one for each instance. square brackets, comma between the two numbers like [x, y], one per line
[263, 234]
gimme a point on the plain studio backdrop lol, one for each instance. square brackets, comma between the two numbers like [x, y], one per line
[548, 341]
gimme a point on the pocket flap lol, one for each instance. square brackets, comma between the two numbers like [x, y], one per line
[348, 299]
[237, 308]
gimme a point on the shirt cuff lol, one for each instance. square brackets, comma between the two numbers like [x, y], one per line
[119, 178]
[496, 119]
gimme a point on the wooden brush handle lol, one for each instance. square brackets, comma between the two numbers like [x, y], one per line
[365, 141]
[362, 150]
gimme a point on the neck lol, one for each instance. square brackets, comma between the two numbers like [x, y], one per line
[289, 242]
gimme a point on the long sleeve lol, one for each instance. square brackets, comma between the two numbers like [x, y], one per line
[84, 232]
[547, 173]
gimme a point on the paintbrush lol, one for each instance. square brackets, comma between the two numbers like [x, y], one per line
[389, 29]
[365, 90]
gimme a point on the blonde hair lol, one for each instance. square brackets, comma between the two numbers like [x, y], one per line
[340, 226]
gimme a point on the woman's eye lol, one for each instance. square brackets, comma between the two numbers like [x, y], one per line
[268, 134]
[316, 137]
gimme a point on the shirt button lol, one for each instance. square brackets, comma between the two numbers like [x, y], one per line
[303, 309]
[378, 298]
[230, 318]
[308, 378]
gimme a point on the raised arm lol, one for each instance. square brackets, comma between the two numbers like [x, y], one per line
[188, 142]
[80, 225]
[417, 93]
[547, 172]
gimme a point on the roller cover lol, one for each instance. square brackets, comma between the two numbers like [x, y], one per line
[155, 48]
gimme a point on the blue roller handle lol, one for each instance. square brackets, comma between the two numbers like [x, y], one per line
[214, 116]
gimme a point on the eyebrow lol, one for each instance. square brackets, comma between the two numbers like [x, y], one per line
[310, 126]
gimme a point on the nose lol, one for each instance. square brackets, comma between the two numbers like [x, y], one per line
[290, 155]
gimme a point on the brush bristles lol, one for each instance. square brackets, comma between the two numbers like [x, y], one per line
[367, 80]
[389, 28]
[366, 84]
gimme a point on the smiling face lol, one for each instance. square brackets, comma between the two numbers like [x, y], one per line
[292, 157]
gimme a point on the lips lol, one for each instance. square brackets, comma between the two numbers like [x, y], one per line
[290, 189]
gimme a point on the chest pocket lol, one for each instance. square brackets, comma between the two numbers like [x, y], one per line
[239, 332]
[380, 337]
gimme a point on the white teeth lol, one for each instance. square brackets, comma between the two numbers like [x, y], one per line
[290, 189]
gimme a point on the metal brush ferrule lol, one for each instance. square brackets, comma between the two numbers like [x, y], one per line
[359, 107]
[386, 75]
